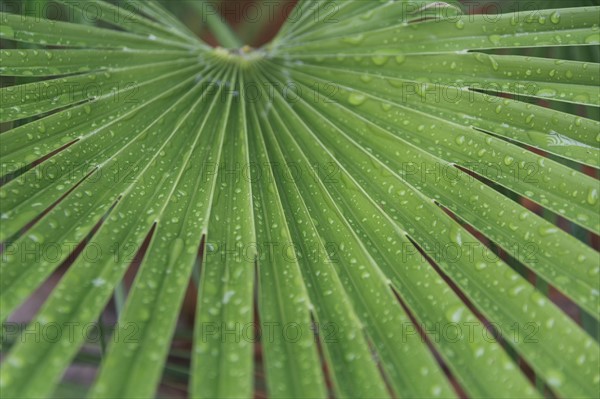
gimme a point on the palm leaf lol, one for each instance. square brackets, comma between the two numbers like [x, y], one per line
[351, 177]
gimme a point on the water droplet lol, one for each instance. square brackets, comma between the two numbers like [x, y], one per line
[357, 99]
[98, 282]
[546, 93]
[555, 17]
[227, 296]
[460, 24]
[529, 118]
[495, 39]
[593, 39]
[176, 249]
[548, 230]
[400, 58]
[380, 59]
[517, 289]
[353, 40]
[454, 313]
[494, 63]
[456, 234]
[592, 197]
[554, 378]
[36, 238]
[523, 215]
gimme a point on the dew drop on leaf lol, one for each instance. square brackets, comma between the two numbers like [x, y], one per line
[495, 39]
[354, 40]
[593, 39]
[357, 99]
[555, 378]
[380, 59]
[592, 197]
[400, 58]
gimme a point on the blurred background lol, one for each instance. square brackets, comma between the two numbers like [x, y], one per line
[256, 22]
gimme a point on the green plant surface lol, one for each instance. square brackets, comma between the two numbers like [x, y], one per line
[411, 130]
